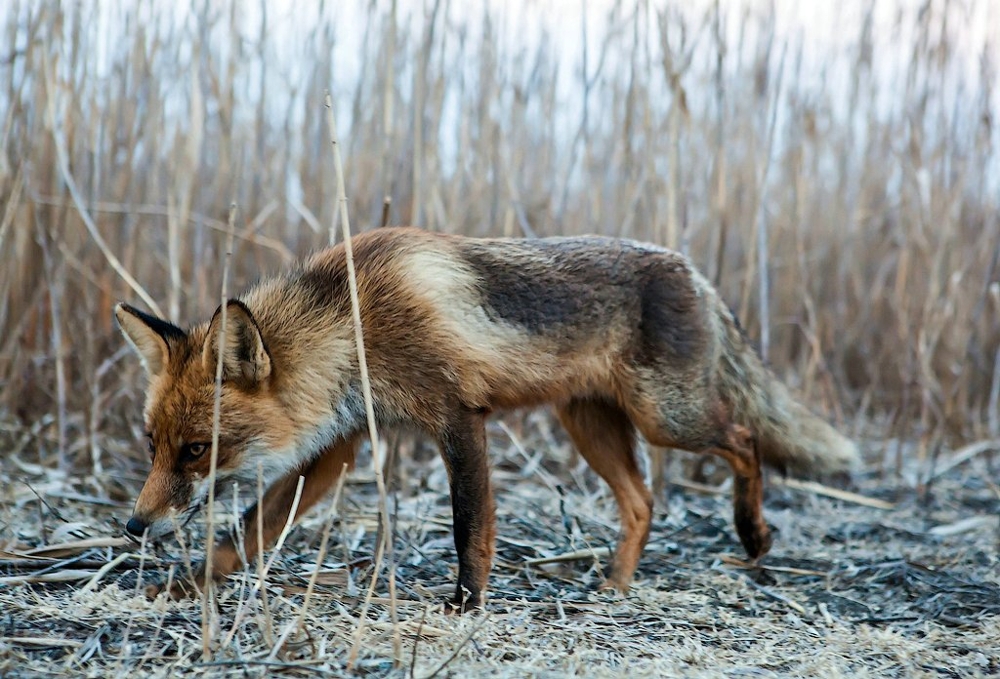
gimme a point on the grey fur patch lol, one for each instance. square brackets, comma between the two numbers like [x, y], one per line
[561, 286]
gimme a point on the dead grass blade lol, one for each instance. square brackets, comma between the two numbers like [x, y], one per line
[963, 455]
[64, 549]
[206, 610]
[458, 648]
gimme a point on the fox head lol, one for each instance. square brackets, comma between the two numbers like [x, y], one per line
[181, 366]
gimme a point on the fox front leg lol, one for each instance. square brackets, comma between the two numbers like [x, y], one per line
[225, 560]
[272, 512]
[463, 446]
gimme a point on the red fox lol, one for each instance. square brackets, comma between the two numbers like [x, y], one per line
[619, 336]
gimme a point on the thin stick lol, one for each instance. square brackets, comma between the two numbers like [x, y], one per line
[206, 611]
[13, 202]
[286, 529]
[777, 596]
[289, 522]
[238, 618]
[159, 624]
[261, 574]
[386, 210]
[458, 649]
[105, 569]
[56, 280]
[577, 555]
[240, 539]
[366, 388]
[136, 592]
[388, 129]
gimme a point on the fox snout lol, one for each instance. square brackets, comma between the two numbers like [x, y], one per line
[136, 527]
[163, 498]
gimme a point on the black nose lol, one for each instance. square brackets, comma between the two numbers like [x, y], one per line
[136, 527]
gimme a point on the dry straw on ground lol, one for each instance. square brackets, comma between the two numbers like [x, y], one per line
[843, 197]
[849, 589]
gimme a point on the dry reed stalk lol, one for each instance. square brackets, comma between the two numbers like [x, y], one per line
[136, 592]
[98, 399]
[719, 166]
[384, 545]
[239, 538]
[419, 94]
[55, 279]
[458, 647]
[178, 218]
[388, 120]
[12, 201]
[764, 292]
[675, 63]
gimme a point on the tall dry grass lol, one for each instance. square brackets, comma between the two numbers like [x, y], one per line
[846, 203]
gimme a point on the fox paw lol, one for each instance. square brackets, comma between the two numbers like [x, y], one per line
[613, 585]
[757, 542]
[464, 604]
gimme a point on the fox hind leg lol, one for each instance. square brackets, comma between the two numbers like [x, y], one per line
[605, 436]
[739, 448]
[710, 429]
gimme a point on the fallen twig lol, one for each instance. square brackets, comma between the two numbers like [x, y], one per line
[836, 493]
[596, 553]
[963, 526]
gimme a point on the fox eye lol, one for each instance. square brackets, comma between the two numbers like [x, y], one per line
[150, 446]
[192, 451]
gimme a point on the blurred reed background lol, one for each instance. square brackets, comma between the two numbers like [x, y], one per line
[842, 192]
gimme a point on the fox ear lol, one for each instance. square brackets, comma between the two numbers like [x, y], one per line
[244, 357]
[149, 336]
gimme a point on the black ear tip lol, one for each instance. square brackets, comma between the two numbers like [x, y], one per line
[237, 304]
[232, 304]
[164, 329]
[126, 308]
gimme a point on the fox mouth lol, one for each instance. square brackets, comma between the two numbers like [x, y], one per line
[176, 520]
[193, 508]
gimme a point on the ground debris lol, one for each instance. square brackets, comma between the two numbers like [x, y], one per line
[849, 588]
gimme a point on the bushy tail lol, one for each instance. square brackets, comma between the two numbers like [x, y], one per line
[789, 436]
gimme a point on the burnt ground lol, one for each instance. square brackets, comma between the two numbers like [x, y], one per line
[910, 587]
